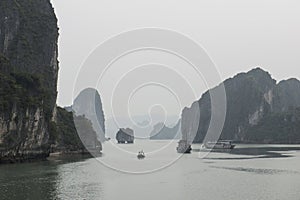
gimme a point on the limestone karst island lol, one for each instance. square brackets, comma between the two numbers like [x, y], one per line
[149, 127]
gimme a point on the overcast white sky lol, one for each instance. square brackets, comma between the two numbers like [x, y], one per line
[238, 35]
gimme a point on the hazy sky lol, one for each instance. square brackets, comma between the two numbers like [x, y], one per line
[238, 35]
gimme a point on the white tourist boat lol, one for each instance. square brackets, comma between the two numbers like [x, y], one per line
[219, 145]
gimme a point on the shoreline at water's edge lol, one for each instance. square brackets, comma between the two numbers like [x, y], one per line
[79, 152]
[26, 158]
[257, 143]
[45, 157]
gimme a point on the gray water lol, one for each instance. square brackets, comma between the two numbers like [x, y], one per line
[264, 172]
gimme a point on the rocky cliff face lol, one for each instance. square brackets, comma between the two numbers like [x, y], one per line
[251, 98]
[162, 132]
[68, 138]
[125, 135]
[28, 75]
[285, 96]
[88, 103]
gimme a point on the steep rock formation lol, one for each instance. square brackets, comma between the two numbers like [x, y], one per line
[252, 98]
[278, 128]
[67, 139]
[286, 95]
[28, 75]
[162, 132]
[88, 103]
[190, 118]
[125, 136]
[87, 134]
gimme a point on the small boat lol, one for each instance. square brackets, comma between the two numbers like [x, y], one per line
[184, 147]
[219, 145]
[141, 155]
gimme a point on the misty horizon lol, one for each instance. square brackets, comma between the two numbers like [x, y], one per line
[258, 37]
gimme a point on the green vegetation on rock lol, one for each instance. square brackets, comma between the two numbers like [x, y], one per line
[277, 128]
[66, 137]
[28, 78]
[258, 110]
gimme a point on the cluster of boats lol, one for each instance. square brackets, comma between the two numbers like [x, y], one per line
[185, 147]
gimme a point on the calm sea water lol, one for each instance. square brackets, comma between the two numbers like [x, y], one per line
[264, 172]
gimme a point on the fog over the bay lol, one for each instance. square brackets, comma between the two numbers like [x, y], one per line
[238, 35]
